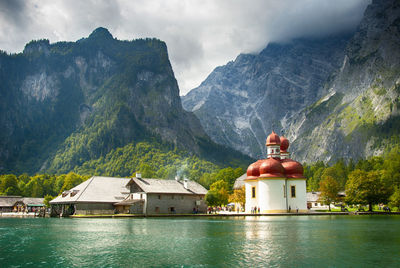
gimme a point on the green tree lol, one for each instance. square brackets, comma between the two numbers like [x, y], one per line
[395, 198]
[47, 199]
[366, 188]
[212, 198]
[329, 188]
[71, 180]
[219, 193]
[337, 172]
[9, 185]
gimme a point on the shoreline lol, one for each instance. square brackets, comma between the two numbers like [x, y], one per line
[231, 215]
[218, 215]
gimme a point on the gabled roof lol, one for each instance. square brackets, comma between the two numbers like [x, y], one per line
[313, 196]
[239, 182]
[168, 186]
[9, 201]
[95, 190]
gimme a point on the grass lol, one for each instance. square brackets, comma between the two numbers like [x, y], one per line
[353, 209]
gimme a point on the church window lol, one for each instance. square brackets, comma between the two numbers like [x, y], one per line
[293, 191]
[253, 192]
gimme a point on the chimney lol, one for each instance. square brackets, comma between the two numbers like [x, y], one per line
[138, 175]
[185, 183]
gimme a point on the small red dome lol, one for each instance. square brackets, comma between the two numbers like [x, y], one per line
[293, 169]
[271, 168]
[284, 144]
[273, 139]
[253, 171]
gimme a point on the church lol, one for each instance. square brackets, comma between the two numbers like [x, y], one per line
[276, 184]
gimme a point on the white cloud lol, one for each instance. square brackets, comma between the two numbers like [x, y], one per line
[200, 35]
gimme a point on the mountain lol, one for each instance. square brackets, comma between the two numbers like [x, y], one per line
[67, 104]
[334, 97]
[359, 116]
[240, 103]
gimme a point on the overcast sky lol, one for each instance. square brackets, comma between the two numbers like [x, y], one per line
[200, 34]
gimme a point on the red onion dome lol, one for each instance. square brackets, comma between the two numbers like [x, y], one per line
[271, 168]
[284, 144]
[273, 139]
[253, 171]
[293, 169]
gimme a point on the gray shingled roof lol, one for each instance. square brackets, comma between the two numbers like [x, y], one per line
[96, 189]
[239, 182]
[9, 201]
[168, 186]
[313, 196]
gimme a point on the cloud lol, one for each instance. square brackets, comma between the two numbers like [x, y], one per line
[200, 35]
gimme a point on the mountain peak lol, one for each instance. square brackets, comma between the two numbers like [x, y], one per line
[101, 33]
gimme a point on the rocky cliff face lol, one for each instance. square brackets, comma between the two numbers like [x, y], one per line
[359, 116]
[239, 103]
[334, 97]
[66, 103]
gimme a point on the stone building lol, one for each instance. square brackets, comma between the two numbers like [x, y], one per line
[276, 184]
[108, 195]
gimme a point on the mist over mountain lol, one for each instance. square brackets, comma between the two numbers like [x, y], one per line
[65, 104]
[334, 97]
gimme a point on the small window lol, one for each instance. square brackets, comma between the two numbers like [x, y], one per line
[293, 191]
[159, 196]
[172, 196]
[182, 197]
[141, 196]
[253, 192]
[316, 204]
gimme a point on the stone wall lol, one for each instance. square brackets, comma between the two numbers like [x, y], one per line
[174, 203]
[94, 208]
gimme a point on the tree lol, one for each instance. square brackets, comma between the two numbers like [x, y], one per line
[366, 188]
[212, 198]
[47, 199]
[218, 194]
[329, 188]
[239, 196]
[395, 198]
[337, 172]
[9, 185]
[71, 180]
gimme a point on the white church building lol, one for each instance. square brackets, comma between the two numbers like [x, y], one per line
[276, 184]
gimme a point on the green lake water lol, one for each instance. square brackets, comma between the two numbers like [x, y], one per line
[278, 241]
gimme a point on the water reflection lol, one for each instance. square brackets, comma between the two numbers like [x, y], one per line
[251, 241]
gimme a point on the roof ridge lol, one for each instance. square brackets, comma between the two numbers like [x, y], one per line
[91, 179]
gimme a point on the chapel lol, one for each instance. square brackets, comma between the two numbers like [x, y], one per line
[276, 184]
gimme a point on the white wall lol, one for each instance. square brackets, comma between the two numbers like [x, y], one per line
[300, 201]
[271, 195]
[251, 202]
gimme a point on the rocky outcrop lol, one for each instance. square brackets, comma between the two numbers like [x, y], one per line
[64, 104]
[359, 115]
[336, 97]
[239, 102]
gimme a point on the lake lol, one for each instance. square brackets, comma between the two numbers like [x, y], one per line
[275, 241]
